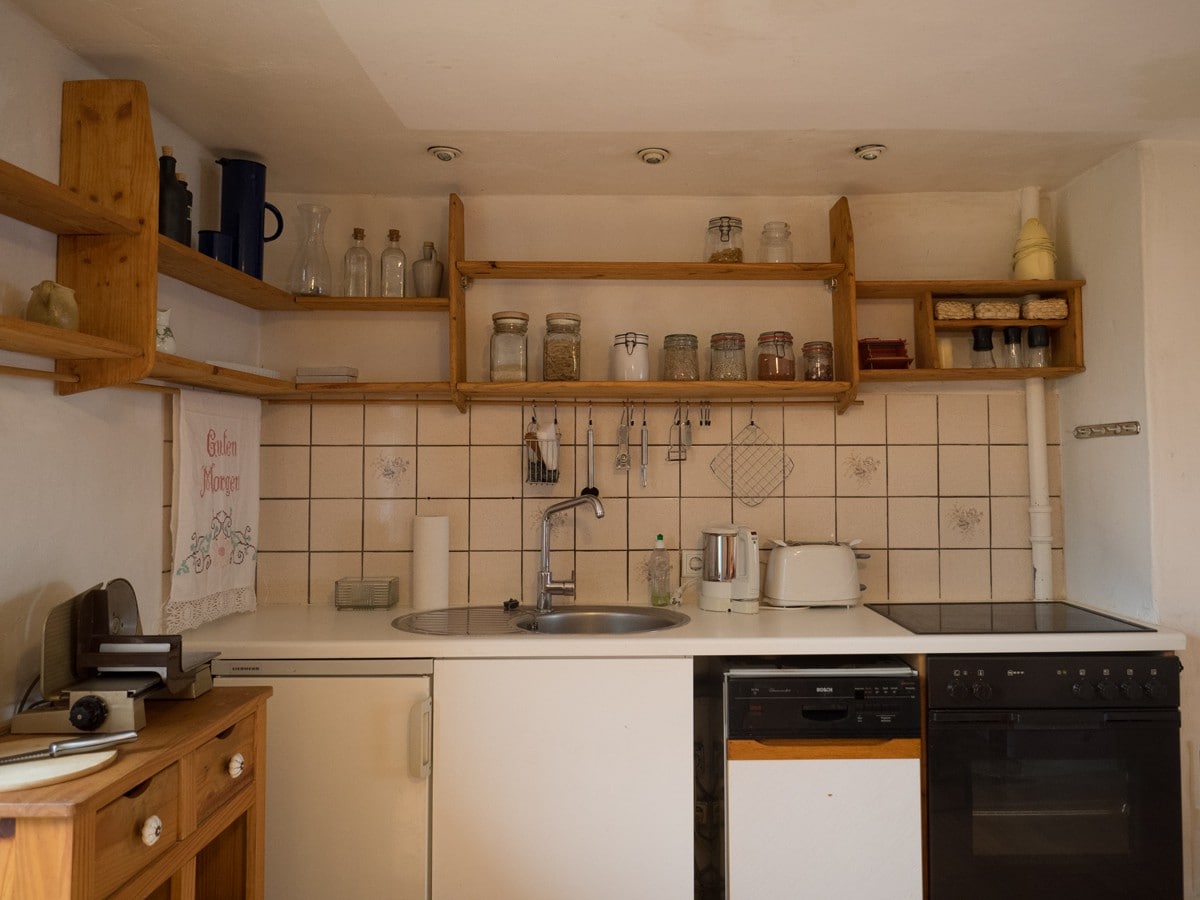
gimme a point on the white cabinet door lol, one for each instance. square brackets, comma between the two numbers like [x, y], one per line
[562, 778]
[816, 829]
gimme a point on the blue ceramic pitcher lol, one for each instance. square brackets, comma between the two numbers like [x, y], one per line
[243, 204]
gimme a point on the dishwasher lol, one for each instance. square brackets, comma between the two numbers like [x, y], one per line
[822, 779]
[348, 761]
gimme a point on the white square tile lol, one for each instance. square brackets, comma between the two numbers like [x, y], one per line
[286, 423]
[283, 472]
[912, 523]
[1010, 522]
[497, 471]
[722, 424]
[601, 577]
[913, 575]
[966, 574]
[962, 418]
[460, 574]
[805, 423]
[337, 423]
[663, 476]
[337, 472]
[1012, 574]
[766, 519]
[499, 424]
[562, 524]
[610, 481]
[1053, 417]
[873, 575]
[697, 513]
[1009, 470]
[965, 522]
[443, 425]
[1054, 470]
[865, 423]
[283, 525]
[651, 516]
[562, 563]
[495, 524]
[1057, 538]
[809, 519]
[912, 419]
[390, 471]
[495, 577]
[387, 564]
[390, 424]
[609, 533]
[388, 524]
[1006, 418]
[336, 525]
[697, 478]
[863, 519]
[912, 471]
[963, 470]
[1059, 580]
[861, 471]
[282, 579]
[814, 473]
[324, 571]
[459, 514]
[442, 472]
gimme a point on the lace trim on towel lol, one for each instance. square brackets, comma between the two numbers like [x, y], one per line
[180, 616]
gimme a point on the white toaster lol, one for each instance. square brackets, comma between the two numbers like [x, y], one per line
[812, 575]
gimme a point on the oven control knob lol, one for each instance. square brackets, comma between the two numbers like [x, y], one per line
[1083, 690]
[1107, 690]
[1131, 690]
[958, 690]
[1155, 690]
[982, 690]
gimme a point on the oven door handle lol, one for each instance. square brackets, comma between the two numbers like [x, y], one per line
[1052, 718]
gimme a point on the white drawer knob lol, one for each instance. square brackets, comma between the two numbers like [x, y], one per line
[237, 765]
[152, 830]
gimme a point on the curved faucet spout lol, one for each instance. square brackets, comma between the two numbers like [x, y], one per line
[571, 502]
[547, 586]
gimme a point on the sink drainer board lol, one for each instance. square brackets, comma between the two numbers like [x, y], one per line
[464, 620]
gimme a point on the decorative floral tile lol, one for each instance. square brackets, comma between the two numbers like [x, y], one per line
[965, 522]
[390, 471]
[861, 471]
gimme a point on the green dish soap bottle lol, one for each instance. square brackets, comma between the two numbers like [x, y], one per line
[660, 574]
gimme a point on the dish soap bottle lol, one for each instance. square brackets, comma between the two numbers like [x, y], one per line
[392, 266]
[660, 574]
[358, 267]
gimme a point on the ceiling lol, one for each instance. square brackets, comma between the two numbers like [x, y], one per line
[751, 97]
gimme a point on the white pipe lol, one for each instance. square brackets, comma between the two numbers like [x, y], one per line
[1039, 488]
[1031, 204]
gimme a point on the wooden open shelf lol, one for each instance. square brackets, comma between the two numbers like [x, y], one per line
[684, 390]
[43, 204]
[651, 271]
[180, 370]
[36, 339]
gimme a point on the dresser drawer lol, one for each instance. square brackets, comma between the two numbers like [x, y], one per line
[222, 766]
[136, 828]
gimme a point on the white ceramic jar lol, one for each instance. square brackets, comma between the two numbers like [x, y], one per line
[630, 358]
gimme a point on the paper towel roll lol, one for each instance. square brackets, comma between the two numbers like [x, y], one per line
[431, 562]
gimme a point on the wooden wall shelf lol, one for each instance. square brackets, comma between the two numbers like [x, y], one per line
[650, 271]
[36, 339]
[43, 204]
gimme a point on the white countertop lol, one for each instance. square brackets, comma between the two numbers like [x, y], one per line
[319, 632]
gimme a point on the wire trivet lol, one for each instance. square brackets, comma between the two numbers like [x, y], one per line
[752, 466]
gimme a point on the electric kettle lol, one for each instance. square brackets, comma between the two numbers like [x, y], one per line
[730, 577]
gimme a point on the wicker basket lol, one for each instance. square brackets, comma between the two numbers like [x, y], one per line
[998, 309]
[953, 309]
[1051, 308]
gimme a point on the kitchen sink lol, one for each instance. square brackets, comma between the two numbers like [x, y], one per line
[602, 620]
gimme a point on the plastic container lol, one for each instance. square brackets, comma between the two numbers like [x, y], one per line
[723, 241]
[680, 361]
[508, 351]
[775, 245]
[776, 359]
[727, 356]
[818, 360]
[630, 357]
[356, 267]
[393, 265]
[660, 574]
[560, 347]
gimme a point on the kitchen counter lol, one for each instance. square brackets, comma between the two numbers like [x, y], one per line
[320, 632]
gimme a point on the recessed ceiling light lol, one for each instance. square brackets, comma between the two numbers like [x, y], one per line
[870, 151]
[445, 154]
[652, 156]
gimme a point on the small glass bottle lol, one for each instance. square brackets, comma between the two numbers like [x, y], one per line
[1011, 356]
[723, 242]
[1038, 354]
[776, 359]
[818, 360]
[393, 265]
[630, 358]
[356, 267]
[508, 350]
[560, 347]
[680, 362]
[427, 272]
[776, 243]
[981, 348]
[727, 356]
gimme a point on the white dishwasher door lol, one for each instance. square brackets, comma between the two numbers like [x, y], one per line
[817, 829]
[347, 806]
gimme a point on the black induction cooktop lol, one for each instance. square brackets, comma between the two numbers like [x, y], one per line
[1036, 617]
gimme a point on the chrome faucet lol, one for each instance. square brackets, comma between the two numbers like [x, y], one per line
[547, 586]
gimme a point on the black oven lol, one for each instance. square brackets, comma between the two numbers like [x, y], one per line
[1054, 776]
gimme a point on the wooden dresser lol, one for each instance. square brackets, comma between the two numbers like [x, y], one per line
[198, 766]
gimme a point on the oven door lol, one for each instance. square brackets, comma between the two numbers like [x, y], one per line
[1054, 803]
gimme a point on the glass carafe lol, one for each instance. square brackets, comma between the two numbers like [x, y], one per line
[311, 274]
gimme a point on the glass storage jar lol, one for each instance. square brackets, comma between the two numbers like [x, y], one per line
[560, 347]
[631, 356]
[723, 242]
[680, 361]
[776, 359]
[508, 348]
[775, 246]
[727, 356]
[818, 360]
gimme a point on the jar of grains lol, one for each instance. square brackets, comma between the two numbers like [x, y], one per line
[727, 357]
[723, 242]
[679, 358]
[776, 360]
[818, 360]
[560, 348]
[508, 349]
[631, 356]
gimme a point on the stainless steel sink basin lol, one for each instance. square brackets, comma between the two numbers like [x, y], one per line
[602, 620]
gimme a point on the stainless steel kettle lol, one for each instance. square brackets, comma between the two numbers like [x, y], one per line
[730, 566]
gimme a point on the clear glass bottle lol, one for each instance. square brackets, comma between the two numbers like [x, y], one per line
[1038, 354]
[630, 356]
[356, 267]
[311, 274]
[727, 356]
[776, 358]
[427, 272]
[776, 243]
[393, 265]
[560, 347]
[680, 362]
[659, 571]
[723, 242]
[818, 360]
[508, 351]
[981, 348]
[1011, 356]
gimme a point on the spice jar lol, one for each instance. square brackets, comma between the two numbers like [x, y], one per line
[818, 360]
[1038, 354]
[727, 357]
[776, 360]
[775, 246]
[560, 348]
[630, 356]
[723, 243]
[679, 358]
[508, 349]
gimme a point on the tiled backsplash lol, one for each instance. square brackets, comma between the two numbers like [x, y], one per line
[934, 485]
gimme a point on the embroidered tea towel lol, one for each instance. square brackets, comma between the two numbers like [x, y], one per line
[214, 513]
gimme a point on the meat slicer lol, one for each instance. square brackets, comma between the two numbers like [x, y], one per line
[98, 669]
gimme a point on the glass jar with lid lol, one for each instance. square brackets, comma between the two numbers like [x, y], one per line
[727, 356]
[509, 353]
[775, 246]
[560, 347]
[776, 359]
[818, 360]
[723, 242]
[680, 361]
[630, 360]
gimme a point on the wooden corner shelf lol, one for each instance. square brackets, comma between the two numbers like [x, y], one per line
[36, 339]
[194, 268]
[191, 372]
[43, 204]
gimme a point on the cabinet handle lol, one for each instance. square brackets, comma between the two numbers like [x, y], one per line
[152, 830]
[420, 739]
[237, 765]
